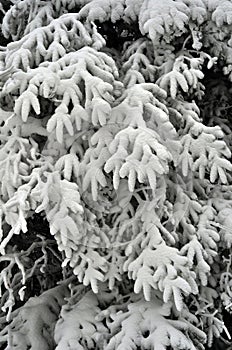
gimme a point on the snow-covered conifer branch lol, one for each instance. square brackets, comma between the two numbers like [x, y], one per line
[115, 133]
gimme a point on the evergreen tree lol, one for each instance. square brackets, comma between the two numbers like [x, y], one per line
[115, 174]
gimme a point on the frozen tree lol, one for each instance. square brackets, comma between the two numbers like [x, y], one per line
[115, 174]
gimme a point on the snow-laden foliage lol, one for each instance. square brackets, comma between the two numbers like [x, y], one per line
[115, 174]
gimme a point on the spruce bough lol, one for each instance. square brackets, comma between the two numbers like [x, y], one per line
[115, 174]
